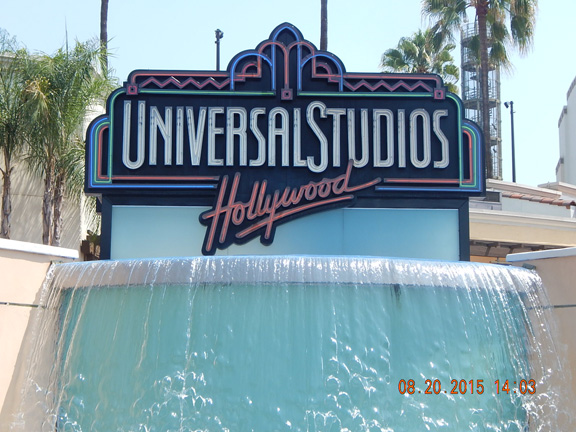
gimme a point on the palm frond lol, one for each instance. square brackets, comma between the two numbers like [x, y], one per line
[424, 52]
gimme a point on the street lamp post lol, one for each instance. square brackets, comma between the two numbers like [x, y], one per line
[511, 106]
[219, 35]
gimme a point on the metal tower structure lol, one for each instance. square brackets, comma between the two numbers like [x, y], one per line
[472, 97]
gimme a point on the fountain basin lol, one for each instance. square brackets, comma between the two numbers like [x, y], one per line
[291, 343]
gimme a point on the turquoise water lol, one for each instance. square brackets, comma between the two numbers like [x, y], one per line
[309, 356]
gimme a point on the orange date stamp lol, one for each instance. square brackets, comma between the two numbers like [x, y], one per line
[461, 387]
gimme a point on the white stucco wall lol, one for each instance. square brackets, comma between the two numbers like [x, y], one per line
[23, 267]
[557, 269]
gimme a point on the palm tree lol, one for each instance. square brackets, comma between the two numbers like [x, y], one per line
[62, 87]
[423, 52]
[104, 33]
[324, 25]
[494, 36]
[13, 120]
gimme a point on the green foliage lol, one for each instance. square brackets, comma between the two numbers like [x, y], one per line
[509, 24]
[13, 119]
[62, 88]
[423, 52]
[12, 95]
[44, 104]
[499, 25]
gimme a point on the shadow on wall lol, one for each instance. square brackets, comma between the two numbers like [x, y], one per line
[27, 192]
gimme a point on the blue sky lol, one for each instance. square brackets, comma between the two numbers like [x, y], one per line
[179, 34]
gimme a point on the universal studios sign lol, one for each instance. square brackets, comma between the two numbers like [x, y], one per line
[283, 132]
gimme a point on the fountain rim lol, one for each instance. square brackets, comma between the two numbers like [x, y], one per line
[293, 269]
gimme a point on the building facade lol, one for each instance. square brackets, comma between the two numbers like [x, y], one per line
[566, 167]
[514, 218]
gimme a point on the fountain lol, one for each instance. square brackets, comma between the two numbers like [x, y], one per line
[292, 343]
[299, 331]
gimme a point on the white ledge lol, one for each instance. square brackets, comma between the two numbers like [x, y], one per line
[39, 249]
[480, 215]
[500, 185]
[551, 253]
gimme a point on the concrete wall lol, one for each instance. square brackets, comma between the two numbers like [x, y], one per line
[23, 267]
[557, 269]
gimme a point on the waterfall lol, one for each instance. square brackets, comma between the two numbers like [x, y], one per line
[291, 344]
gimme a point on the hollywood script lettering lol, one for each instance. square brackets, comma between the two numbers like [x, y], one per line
[233, 221]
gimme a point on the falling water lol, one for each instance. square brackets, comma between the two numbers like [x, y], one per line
[291, 344]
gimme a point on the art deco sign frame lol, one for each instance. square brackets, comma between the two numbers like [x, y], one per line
[283, 132]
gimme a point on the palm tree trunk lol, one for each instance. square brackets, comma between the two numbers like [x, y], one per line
[58, 201]
[324, 25]
[104, 33]
[47, 206]
[6, 202]
[481, 13]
